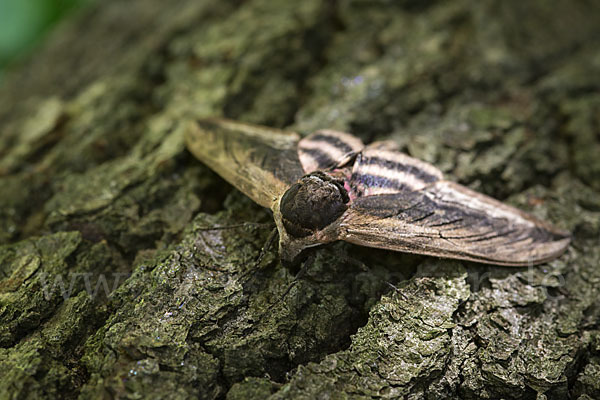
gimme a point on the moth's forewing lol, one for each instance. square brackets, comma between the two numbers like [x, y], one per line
[326, 149]
[448, 220]
[259, 161]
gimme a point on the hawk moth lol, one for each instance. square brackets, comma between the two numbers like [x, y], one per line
[329, 186]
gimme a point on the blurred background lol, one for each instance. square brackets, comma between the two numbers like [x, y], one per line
[24, 23]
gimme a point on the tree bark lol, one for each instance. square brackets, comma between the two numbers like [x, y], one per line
[113, 284]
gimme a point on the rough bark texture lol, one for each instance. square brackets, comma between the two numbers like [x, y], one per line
[99, 195]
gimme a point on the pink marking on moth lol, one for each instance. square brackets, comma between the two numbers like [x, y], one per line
[351, 194]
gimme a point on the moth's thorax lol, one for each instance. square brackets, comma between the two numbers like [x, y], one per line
[313, 203]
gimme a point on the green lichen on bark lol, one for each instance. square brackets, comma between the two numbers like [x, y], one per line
[112, 283]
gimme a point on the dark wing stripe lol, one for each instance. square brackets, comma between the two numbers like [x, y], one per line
[360, 182]
[445, 223]
[335, 148]
[391, 165]
[378, 171]
[422, 217]
[334, 140]
[318, 156]
[489, 235]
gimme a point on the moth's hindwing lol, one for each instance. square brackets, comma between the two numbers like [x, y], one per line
[259, 161]
[379, 170]
[326, 149]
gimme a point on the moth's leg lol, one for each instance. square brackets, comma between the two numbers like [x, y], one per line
[273, 236]
[397, 290]
[310, 260]
[355, 262]
[344, 257]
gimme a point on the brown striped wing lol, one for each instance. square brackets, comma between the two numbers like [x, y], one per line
[327, 149]
[261, 162]
[404, 204]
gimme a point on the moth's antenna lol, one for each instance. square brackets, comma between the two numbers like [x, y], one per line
[234, 226]
[259, 225]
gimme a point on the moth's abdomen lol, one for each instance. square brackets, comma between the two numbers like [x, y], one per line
[312, 203]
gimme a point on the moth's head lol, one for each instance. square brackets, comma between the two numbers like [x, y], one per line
[312, 203]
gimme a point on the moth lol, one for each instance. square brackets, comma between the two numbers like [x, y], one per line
[329, 186]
